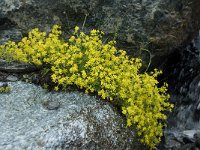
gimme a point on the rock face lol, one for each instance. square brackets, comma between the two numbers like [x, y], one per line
[183, 73]
[159, 25]
[78, 122]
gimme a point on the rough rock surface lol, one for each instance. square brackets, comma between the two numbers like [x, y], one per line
[80, 121]
[159, 25]
[14, 67]
[183, 76]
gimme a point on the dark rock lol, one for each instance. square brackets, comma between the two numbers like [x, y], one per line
[159, 25]
[171, 141]
[36, 79]
[3, 76]
[187, 140]
[194, 88]
[14, 67]
[10, 34]
[180, 140]
[9, 31]
[197, 139]
[185, 93]
[187, 147]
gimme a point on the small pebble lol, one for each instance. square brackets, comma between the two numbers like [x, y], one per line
[11, 78]
[51, 105]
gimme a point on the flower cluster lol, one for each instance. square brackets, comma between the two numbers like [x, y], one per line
[90, 64]
[5, 89]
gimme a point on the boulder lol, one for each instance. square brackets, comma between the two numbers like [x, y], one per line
[77, 121]
[158, 25]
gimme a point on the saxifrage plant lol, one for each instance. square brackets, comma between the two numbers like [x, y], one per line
[85, 61]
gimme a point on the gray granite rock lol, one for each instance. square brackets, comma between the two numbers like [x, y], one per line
[12, 78]
[80, 122]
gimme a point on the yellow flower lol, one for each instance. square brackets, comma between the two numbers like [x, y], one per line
[84, 75]
[93, 32]
[76, 29]
[95, 66]
[56, 88]
[72, 38]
